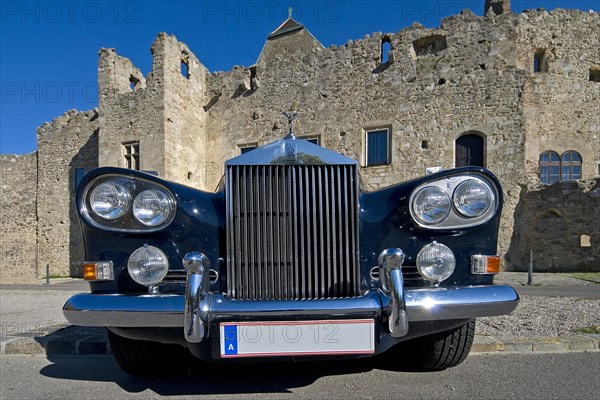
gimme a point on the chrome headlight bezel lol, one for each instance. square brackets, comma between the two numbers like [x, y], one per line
[434, 207]
[120, 201]
[462, 208]
[455, 218]
[153, 215]
[127, 222]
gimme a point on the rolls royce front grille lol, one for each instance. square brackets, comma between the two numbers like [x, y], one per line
[292, 232]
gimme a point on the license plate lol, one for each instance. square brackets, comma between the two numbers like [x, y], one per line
[297, 338]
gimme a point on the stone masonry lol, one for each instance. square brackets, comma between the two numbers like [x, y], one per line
[18, 218]
[522, 83]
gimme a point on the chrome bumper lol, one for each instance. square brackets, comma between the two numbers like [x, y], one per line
[460, 302]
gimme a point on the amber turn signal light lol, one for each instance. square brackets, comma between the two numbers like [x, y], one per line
[485, 264]
[98, 271]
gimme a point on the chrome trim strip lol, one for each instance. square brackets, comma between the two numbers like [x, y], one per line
[459, 302]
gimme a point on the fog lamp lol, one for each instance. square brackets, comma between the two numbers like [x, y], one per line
[436, 262]
[147, 265]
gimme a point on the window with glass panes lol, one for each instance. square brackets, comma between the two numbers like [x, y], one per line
[555, 168]
[244, 148]
[570, 166]
[378, 146]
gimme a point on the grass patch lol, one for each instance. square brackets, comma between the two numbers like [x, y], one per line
[57, 276]
[590, 329]
[586, 276]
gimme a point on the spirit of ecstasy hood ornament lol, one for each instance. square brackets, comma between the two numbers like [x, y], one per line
[291, 117]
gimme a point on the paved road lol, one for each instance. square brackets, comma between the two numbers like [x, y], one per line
[542, 376]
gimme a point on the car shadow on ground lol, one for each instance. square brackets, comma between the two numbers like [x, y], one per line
[194, 377]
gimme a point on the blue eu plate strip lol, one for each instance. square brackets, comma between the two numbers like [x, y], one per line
[231, 342]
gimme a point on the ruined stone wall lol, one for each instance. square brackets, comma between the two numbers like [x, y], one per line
[18, 218]
[428, 86]
[428, 100]
[66, 144]
[131, 109]
[162, 112]
[561, 103]
[559, 224]
[184, 98]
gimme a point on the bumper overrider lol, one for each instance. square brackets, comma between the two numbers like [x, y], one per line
[199, 311]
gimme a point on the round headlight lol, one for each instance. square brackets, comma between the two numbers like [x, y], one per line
[147, 265]
[431, 205]
[152, 207]
[110, 200]
[436, 262]
[472, 198]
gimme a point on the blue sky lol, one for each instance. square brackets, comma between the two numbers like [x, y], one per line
[49, 49]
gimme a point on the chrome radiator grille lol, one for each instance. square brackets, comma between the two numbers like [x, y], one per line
[292, 232]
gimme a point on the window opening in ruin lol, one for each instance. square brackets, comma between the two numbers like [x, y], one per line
[430, 45]
[441, 81]
[425, 144]
[595, 74]
[78, 175]
[386, 47]
[133, 82]
[540, 63]
[469, 151]
[570, 166]
[313, 139]
[190, 175]
[131, 155]
[378, 146]
[185, 69]
[549, 167]
[244, 148]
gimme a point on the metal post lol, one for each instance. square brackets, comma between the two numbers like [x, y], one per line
[47, 274]
[530, 269]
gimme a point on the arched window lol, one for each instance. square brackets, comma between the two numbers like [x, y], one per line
[549, 167]
[570, 166]
[469, 151]
[560, 169]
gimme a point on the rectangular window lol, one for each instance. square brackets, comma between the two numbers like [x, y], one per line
[244, 148]
[313, 139]
[131, 155]
[377, 150]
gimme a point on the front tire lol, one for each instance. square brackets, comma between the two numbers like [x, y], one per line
[140, 357]
[444, 349]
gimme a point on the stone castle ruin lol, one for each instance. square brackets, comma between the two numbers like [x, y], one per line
[516, 93]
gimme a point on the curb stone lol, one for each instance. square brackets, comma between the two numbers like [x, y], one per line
[532, 344]
[77, 340]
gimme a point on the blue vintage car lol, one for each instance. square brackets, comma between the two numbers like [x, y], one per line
[290, 260]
